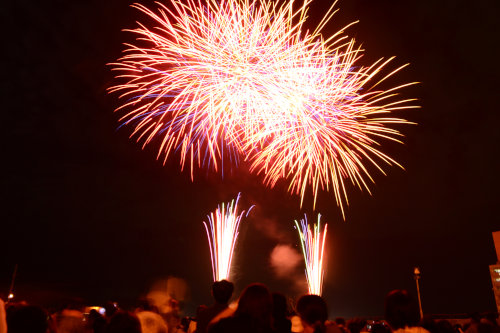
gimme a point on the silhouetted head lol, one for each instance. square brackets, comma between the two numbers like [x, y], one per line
[401, 310]
[222, 291]
[110, 308]
[340, 321]
[313, 311]
[280, 308]
[356, 325]
[444, 326]
[95, 321]
[27, 319]
[380, 328]
[124, 322]
[256, 302]
[475, 317]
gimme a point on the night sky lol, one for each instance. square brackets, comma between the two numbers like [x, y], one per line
[88, 214]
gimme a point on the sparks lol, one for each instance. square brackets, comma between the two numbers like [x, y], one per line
[246, 80]
[312, 241]
[222, 232]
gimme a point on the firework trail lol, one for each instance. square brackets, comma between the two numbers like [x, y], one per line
[245, 79]
[222, 232]
[312, 241]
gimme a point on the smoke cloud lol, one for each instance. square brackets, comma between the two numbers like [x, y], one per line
[167, 293]
[285, 261]
[269, 227]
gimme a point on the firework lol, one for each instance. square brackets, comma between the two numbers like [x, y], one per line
[312, 241]
[205, 75]
[222, 232]
[332, 132]
[245, 79]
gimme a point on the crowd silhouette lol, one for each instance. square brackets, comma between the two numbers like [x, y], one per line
[257, 310]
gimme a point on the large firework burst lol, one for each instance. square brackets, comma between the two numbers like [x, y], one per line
[312, 240]
[222, 232]
[245, 77]
[205, 75]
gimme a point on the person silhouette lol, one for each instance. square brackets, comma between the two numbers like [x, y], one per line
[221, 292]
[253, 314]
[401, 313]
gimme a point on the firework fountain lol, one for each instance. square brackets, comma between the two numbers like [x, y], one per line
[246, 79]
[222, 232]
[312, 240]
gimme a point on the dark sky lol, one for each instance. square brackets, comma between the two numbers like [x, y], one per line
[89, 214]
